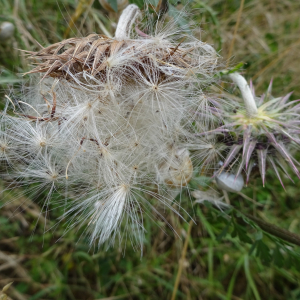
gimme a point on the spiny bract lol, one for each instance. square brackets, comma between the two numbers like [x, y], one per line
[260, 131]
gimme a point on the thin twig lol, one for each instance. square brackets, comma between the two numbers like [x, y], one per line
[181, 261]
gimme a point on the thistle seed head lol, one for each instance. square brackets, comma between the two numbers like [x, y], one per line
[110, 121]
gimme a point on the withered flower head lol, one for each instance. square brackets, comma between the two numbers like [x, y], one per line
[109, 122]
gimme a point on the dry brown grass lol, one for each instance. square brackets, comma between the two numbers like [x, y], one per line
[267, 40]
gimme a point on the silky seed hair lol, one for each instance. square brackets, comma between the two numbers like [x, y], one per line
[107, 123]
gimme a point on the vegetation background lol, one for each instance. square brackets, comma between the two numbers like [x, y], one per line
[212, 259]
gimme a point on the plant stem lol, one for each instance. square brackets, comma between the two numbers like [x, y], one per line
[279, 232]
[276, 231]
[181, 261]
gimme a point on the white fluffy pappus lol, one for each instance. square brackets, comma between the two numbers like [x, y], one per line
[111, 122]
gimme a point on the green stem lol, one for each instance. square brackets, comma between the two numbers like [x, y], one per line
[283, 234]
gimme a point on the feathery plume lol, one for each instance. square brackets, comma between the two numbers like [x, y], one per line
[106, 121]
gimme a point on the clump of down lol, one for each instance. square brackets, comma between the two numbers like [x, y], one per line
[108, 123]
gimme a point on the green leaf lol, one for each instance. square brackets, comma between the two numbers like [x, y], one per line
[83, 255]
[234, 233]
[224, 232]
[113, 4]
[250, 279]
[278, 257]
[241, 233]
[259, 236]
[232, 70]
[43, 292]
[179, 18]
[263, 252]
[253, 247]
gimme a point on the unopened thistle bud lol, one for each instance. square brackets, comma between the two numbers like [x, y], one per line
[260, 132]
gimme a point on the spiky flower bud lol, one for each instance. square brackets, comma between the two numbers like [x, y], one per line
[260, 132]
